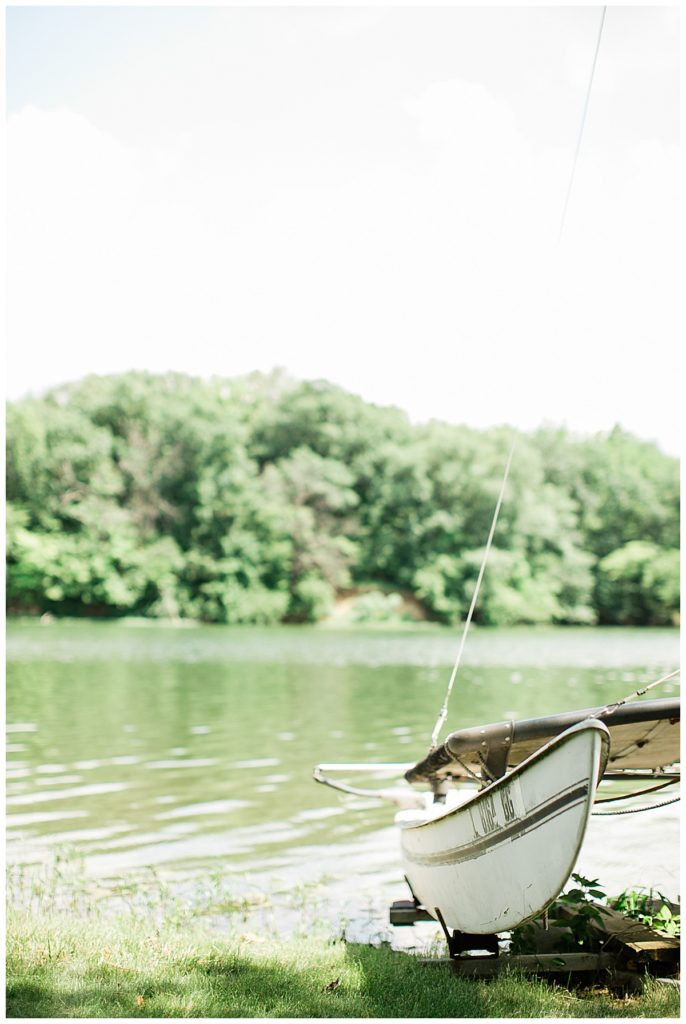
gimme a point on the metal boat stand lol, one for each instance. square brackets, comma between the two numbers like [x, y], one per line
[463, 942]
[407, 912]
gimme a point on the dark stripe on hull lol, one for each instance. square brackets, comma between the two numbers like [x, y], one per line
[541, 815]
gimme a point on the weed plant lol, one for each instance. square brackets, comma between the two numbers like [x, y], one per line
[651, 908]
[575, 912]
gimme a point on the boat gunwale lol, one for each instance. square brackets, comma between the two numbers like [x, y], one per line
[537, 755]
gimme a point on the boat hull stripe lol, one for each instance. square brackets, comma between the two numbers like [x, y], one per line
[574, 795]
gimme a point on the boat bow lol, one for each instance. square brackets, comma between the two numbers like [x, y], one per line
[500, 858]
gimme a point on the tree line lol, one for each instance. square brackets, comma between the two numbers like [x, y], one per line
[258, 499]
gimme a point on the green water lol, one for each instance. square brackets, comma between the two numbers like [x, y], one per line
[191, 749]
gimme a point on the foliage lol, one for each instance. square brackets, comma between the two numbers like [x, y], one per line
[573, 914]
[312, 599]
[639, 582]
[258, 499]
[375, 606]
[575, 911]
[650, 908]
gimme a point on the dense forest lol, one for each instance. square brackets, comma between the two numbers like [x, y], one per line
[259, 499]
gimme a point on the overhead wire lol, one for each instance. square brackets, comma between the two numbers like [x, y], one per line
[443, 713]
[610, 709]
[583, 123]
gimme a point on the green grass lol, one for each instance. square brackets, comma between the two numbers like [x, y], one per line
[91, 965]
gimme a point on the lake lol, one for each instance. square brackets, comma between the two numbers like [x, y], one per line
[185, 754]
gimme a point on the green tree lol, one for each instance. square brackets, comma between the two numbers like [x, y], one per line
[257, 499]
[317, 499]
[639, 583]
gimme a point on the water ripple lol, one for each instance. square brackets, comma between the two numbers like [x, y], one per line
[96, 789]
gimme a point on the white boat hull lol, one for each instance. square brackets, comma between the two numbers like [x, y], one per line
[502, 857]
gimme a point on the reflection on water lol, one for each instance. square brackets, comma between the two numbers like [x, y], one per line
[191, 750]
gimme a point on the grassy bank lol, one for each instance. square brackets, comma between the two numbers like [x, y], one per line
[65, 965]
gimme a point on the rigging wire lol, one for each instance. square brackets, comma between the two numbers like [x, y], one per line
[583, 122]
[443, 713]
[638, 792]
[610, 709]
[635, 810]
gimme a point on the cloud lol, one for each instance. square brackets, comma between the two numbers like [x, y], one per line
[102, 252]
[432, 281]
[464, 117]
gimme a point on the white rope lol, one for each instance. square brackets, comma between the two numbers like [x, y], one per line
[609, 709]
[443, 714]
[583, 122]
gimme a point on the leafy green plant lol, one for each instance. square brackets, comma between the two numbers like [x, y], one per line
[573, 915]
[576, 910]
[649, 907]
[523, 939]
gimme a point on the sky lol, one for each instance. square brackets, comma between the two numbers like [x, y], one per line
[369, 195]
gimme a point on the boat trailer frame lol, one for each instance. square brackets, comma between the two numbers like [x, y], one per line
[628, 951]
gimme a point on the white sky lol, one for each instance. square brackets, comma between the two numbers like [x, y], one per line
[369, 195]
